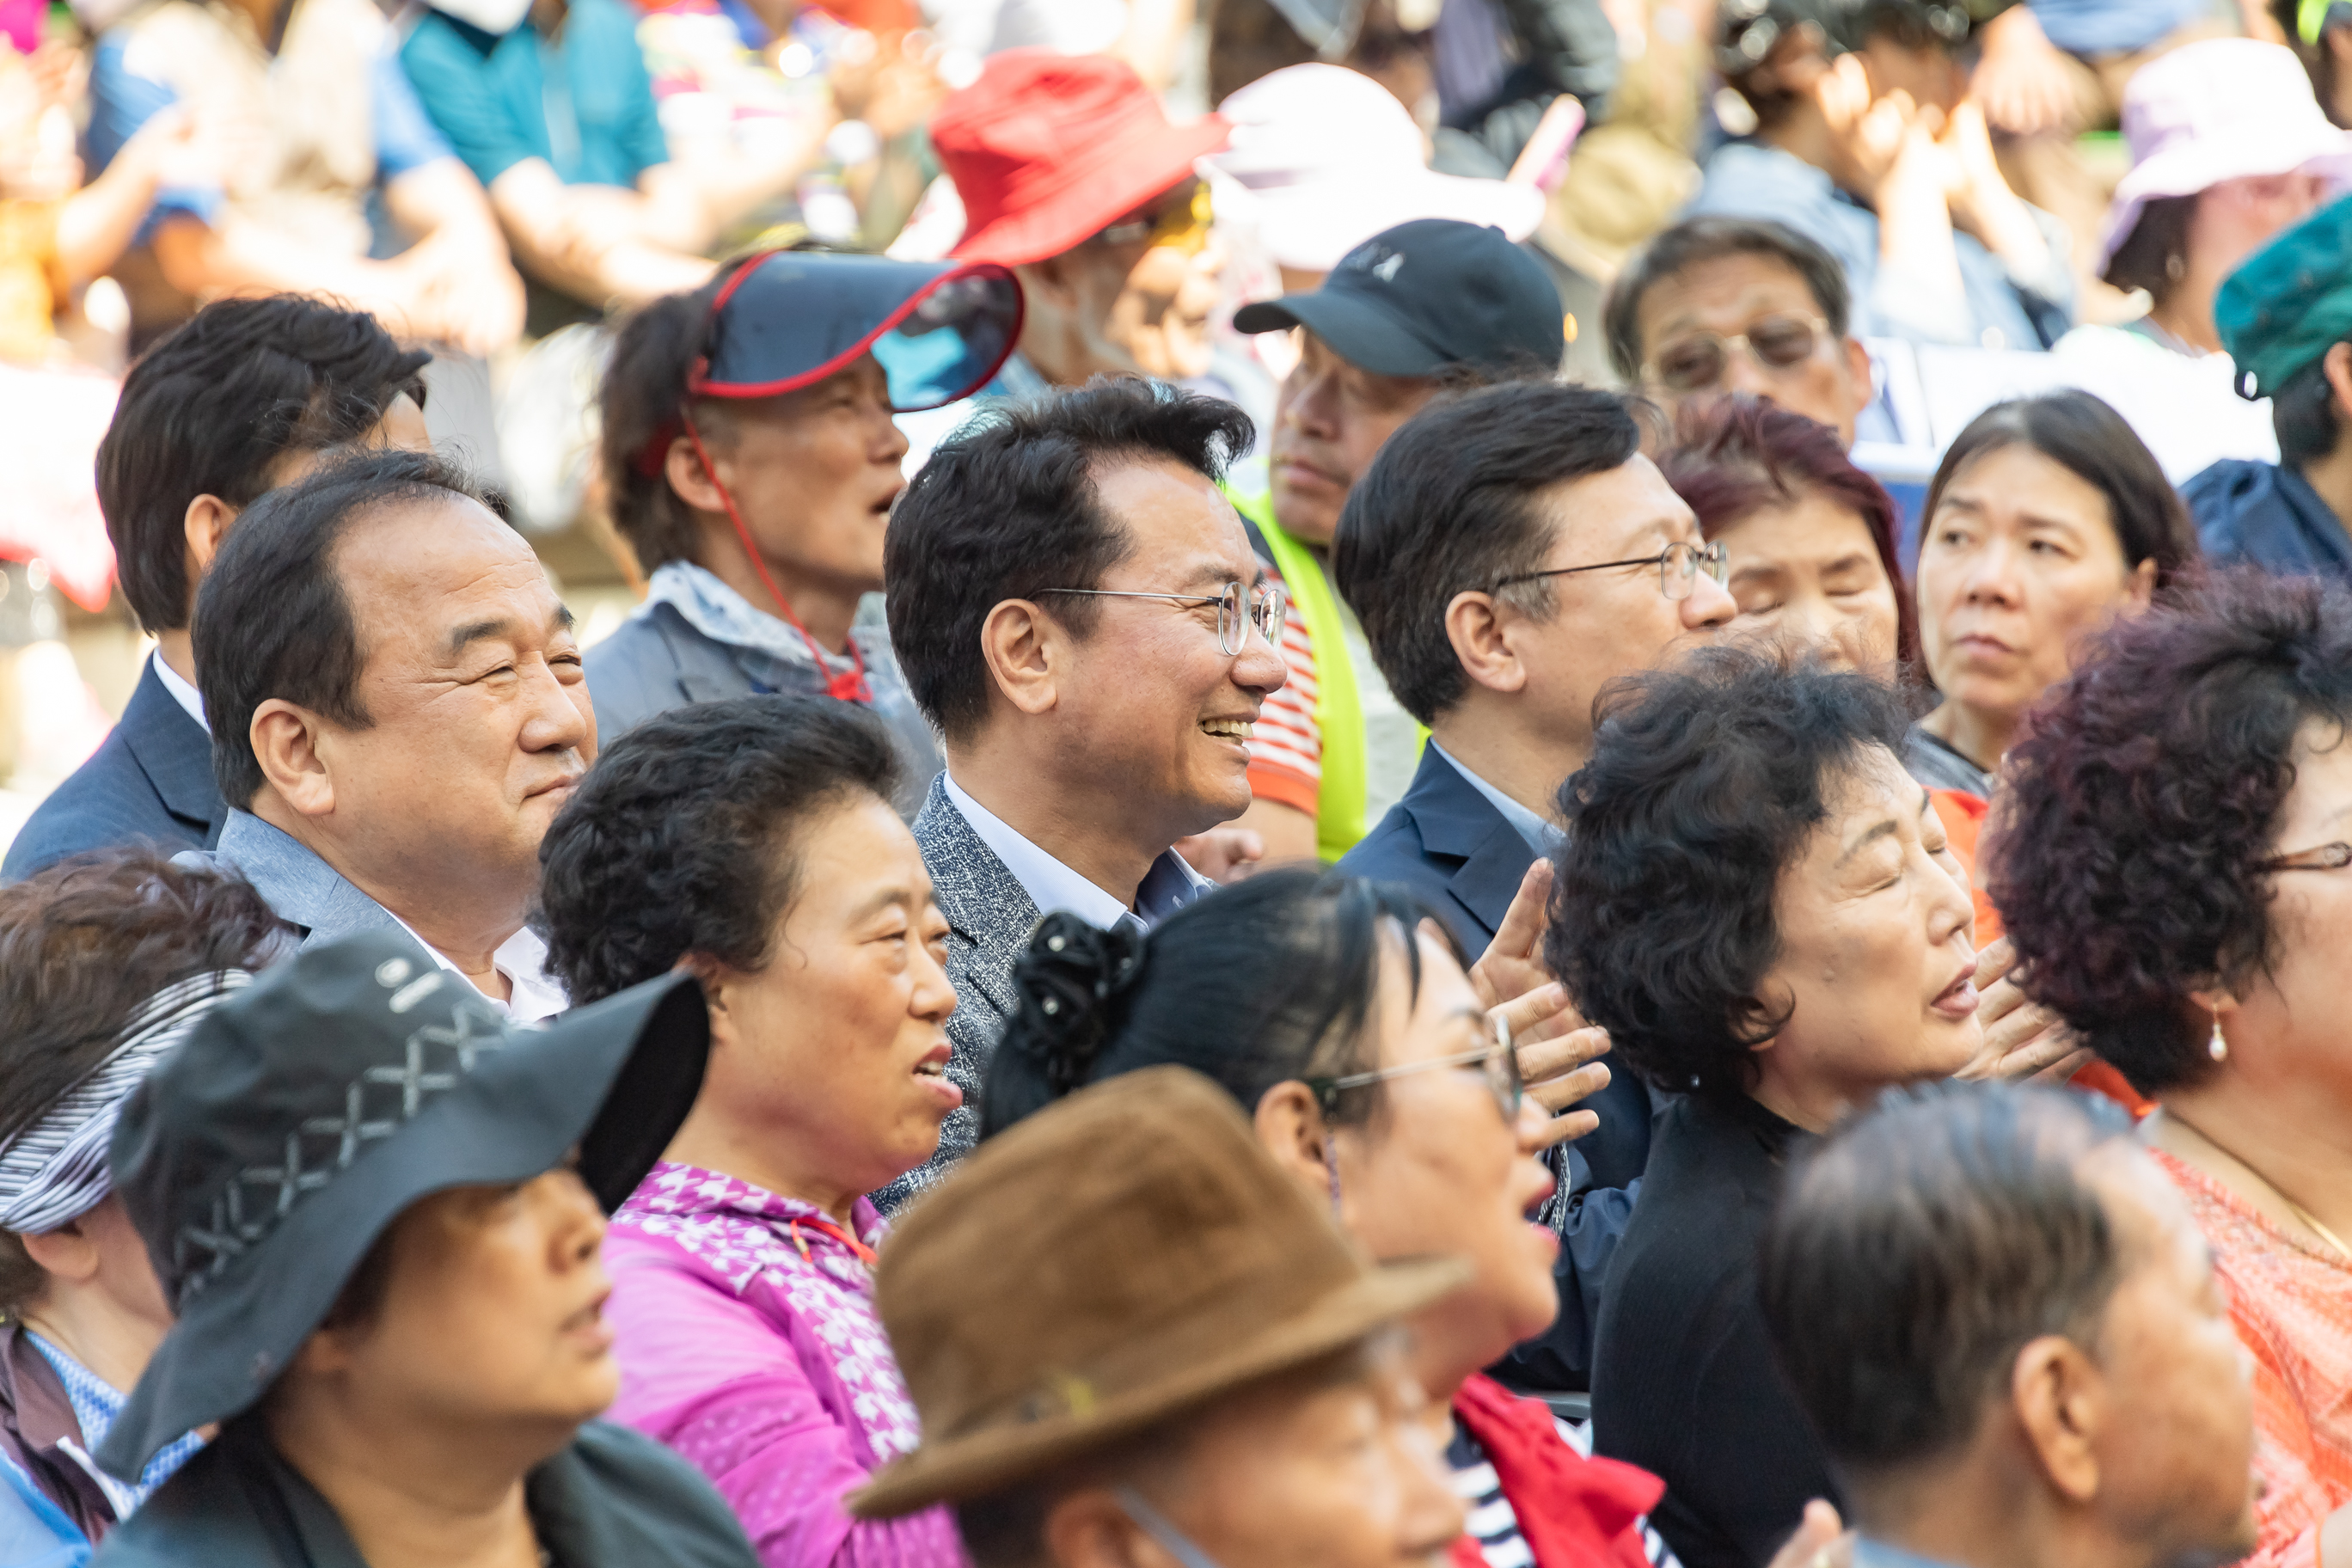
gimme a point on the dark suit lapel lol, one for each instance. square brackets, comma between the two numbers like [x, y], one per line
[1459, 823]
[175, 754]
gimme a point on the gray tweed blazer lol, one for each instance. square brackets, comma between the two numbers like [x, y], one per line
[989, 916]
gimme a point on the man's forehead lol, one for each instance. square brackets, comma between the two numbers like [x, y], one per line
[1726, 288]
[436, 559]
[1171, 511]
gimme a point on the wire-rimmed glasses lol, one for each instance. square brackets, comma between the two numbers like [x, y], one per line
[1237, 607]
[1497, 1062]
[2325, 858]
[1678, 565]
[1700, 360]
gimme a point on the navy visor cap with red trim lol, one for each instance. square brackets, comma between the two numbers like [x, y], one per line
[789, 319]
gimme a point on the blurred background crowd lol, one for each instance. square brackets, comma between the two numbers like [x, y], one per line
[2012, 198]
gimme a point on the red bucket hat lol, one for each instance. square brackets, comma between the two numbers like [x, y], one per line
[1048, 149]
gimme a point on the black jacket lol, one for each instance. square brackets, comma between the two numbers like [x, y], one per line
[35, 1417]
[1449, 844]
[613, 1499]
[150, 783]
[1687, 1387]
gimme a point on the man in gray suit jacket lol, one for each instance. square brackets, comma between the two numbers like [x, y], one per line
[398, 713]
[1078, 611]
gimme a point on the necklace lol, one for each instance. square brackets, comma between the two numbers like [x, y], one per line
[2309, 1220]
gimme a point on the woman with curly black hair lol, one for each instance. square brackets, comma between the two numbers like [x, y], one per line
[1759, 904]
[753, 842]
[2171, 858]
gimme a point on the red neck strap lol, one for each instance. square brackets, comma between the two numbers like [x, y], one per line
[846, 686]
[862, 1252]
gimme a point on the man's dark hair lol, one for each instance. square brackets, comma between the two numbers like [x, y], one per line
[1696, 241]
[1704, 785]
[84, 944]
[2130, 843]
[2084, 435]
[209, 409]
[2303, 416]
[2154, 256]
[685, 835]
[1009, 507]
[272, 619]
[1449, 505]
[1920, 1247]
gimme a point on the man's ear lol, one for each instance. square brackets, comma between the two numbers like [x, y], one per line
[286, 743]
[204, 526]
[1088, 1529]
[65, 1252]
[1023, 646]
[2059, 1397]
[2336, 366]
[1478, 625]
[1051, 280]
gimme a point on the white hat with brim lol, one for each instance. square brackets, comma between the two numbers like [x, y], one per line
[2224, 109]
[1322, 158]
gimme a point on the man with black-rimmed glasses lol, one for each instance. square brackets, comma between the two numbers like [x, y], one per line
[1510, 552]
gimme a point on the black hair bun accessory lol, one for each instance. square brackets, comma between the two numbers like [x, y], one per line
[1069, 979]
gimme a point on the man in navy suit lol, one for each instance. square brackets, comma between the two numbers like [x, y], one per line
[243, 399]
[1510, 553]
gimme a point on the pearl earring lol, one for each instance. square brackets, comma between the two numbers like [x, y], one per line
[2218, 1047]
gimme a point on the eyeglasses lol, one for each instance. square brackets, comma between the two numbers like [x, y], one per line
[1699, 362]
[1237, 607]
[1178, 227]
[2327, 857]
[1498, 1063]
[1678, 565]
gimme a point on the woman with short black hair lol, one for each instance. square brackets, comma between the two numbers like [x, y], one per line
[2171, 853]
[1759, 906]
[753, 842]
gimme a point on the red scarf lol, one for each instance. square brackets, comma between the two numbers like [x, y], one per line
[1573, 1512]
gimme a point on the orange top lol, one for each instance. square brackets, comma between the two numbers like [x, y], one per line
[2291, 1307]
[1963, 818]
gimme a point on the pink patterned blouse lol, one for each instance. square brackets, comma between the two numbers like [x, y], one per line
[748, 1342]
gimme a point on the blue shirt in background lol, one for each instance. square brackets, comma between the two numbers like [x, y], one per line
[1993, 310]
[2114, 26]
[582, 104]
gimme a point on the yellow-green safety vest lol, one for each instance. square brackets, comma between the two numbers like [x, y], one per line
[1339, 712]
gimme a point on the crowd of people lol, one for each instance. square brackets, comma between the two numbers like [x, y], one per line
[1235, 898]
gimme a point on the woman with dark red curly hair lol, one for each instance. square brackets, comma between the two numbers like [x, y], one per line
[1812, 537]
[2171, 849]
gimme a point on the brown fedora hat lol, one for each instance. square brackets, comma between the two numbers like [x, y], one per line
[1119, 1259]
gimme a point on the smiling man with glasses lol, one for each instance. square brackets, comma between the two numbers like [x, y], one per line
[1078, 613]
[1510, 552]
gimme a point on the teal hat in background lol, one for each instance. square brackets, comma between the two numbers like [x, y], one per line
[2291, 302]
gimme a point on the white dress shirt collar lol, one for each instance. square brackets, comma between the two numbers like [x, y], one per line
[1168, 887]
[186, 695]
[534, 995]
[1542, 836]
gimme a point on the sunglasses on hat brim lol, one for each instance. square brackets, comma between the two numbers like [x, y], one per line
[785, 319]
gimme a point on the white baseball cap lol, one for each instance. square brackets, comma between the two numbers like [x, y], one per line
[1322, 158]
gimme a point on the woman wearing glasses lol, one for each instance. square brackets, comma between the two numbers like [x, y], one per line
[751, 461]
[1340, 1014]
[2047, 519]
[1759, 904]
[2172, 854]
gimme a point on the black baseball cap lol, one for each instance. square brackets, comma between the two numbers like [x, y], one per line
[265, 1156]
[1425, 297]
